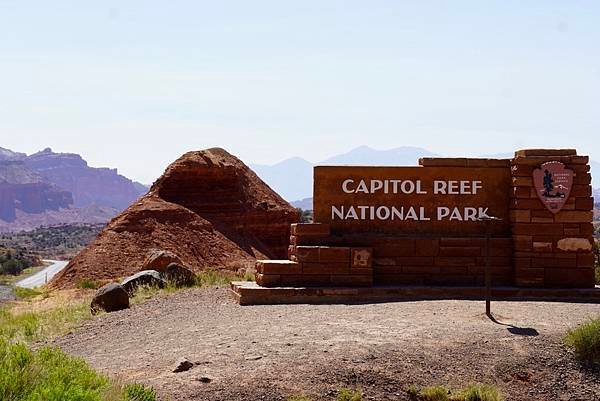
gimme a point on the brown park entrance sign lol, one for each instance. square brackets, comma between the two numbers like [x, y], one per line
[405, 200]
[422, 226]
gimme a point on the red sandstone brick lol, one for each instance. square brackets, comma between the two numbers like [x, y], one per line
[334, 254]
[533, 204]
[585, 259]
[427, 247]
[318, 229]
[521, 262]
[354, 280]
[414, 261]
[569, 278]
[529, 277]
[305, 280]
[500, 251]
[571, 232]
[443, 161]
[542, 246]
[536, 228]
[537, 161]
[582, 179]
[579, 168]
[541, 213]
[462, 241]
[520, 216]
[503, 270]
[520, 170]
[445, 270]
[574, 216]
[580, 159]
[522, 181]
[522, 242]
[325, 268]
[584, 203]
[425, 269]
[553, 263]
[545, 152]
[542, 220]
[501, 242]
[581, 191]
[549, 255]
[392, 250]
[521, 192]
[361, 258]
[277, 267]
[460, 251]
[495, 261]
[388, 270]
[455, 261]
[401, 279]
[586, 229]
[362, 271]
[307, 254]
[268, 280]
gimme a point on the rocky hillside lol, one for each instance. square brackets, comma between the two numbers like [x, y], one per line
[48, 188]
[208, 208]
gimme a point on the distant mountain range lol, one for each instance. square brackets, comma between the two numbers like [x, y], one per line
[292, 178]
[48, 188]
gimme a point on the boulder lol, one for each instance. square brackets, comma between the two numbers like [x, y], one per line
[178, 275]
[150, 278]
[112, 297]
[183, 365]
[159, 259]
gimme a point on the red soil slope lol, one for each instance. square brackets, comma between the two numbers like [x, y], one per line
[208, 208]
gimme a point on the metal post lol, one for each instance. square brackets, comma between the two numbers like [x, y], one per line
[488, 273]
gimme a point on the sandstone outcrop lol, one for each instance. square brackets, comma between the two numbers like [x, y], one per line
[208, 208]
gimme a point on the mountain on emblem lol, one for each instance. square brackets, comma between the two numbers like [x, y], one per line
[553, 182]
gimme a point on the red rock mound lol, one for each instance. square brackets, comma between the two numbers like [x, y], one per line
[208, 208]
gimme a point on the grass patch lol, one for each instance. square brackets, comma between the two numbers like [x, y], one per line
[585, 340]
[597, 275]
[213, 278]
[50, 375]
[473, 392]
[349, 395]
[434, 393]
[26, 293]
[87, 284]
[299, 398]
[479, 392]
[37, 325]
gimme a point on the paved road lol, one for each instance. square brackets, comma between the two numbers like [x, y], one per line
[39, 278]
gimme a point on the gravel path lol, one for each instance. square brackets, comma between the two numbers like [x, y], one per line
[272, 352]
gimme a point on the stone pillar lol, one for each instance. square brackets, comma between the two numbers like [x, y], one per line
[551, 250]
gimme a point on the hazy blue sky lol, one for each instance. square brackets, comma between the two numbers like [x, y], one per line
[133, 84]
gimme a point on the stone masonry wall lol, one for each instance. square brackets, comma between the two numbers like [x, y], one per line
[552, 250]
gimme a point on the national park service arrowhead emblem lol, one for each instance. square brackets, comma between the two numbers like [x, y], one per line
[552, 182]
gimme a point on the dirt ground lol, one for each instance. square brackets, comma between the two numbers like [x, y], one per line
[273, 352]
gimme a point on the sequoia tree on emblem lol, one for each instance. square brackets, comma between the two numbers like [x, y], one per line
[552, 182]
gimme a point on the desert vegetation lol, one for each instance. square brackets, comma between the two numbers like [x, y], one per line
[13, 261]
[57, 242]
[585, 340]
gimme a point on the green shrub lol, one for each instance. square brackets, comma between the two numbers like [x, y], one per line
[479, 392]
[349, 395]
[137, 392]
[597, 275]
[51, 375]
[87, 284]
[585, 339]
[434, 393]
